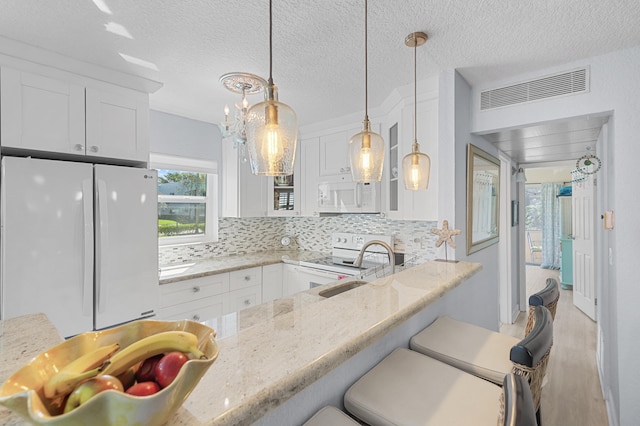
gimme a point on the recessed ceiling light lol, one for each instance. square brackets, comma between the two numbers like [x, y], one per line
[138, 61]
[100, 4]
[115, 28]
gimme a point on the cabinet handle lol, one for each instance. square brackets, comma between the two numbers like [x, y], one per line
[78, 147]
[196, 317]
[94, 148]
[195, 289]
[247, 302]
[247, 277]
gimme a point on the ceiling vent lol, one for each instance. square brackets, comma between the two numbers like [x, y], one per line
[552, 86]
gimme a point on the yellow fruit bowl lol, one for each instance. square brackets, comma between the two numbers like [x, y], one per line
[23, 391]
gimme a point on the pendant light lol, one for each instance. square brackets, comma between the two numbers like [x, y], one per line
[366, 149]
[272, 129]
[416, 166]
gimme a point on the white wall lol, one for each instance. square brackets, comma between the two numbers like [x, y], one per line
[455, 133]
[615, 89]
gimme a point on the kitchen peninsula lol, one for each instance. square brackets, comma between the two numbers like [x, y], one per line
[282, 360]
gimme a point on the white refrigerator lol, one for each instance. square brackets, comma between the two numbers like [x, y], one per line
[78, 243]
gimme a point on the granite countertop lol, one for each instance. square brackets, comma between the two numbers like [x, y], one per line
[270, 352]
[217, 265]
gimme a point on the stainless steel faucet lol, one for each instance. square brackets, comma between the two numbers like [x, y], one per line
[358, 262]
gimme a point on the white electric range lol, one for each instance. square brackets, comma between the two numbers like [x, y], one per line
[345, 248]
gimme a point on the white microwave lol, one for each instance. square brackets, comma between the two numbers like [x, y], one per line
[348, 197]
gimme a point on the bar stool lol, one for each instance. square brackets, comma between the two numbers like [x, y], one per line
[330, 416]
[477, 350]
[409, 388]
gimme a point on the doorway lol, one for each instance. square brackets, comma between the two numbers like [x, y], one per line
[533, 147]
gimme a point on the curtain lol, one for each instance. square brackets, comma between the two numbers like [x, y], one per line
[550, 225]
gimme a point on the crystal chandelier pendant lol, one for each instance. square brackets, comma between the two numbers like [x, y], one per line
[245, 84]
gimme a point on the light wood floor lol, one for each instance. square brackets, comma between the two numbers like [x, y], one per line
[572, 394]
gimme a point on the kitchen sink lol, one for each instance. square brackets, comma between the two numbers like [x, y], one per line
[350, 285]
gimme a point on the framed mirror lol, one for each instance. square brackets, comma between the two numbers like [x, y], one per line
[483, 199]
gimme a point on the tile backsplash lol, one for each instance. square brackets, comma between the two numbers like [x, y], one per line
[246, 235]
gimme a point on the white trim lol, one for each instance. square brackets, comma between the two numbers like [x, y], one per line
[505, 244]
[187, 164]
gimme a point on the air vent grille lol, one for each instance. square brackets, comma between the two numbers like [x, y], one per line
[567, 83]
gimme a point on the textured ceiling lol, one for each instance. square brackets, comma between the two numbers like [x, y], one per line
[318, 45]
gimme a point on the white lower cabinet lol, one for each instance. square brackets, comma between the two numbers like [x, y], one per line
[272, 279]
[208, 297]
[243, 298]
[197, 299]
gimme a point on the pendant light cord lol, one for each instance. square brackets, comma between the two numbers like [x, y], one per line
[270, 43]
[366, 67]
[415, 89]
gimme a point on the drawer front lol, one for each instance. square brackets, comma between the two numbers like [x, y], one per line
[245, 278]
[198, 310]
[194, 289]
[244, 298]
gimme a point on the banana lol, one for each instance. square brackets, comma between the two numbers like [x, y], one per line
[168, 341]
[81, 368]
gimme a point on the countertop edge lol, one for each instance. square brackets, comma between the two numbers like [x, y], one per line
[272, 396]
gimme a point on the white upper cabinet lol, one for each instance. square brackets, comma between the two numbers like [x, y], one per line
[404, 204]
[39, 113]
[243, 193]
[117, 126]
[334, 153]
[284, 192]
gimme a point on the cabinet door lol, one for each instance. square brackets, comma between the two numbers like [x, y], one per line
[272, 276]
[197, 310]
[309, 149]
[334, 153]
[243, 193]
[244, 278]
[243, 298]
[117, 125]
[39, 113]
[284, 197]
[193, 289]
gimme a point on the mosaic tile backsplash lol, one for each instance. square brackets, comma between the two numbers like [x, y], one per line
[247, 235]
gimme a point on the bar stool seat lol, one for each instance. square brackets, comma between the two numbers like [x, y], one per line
[477, 350]
[408, 388]
[330, 416]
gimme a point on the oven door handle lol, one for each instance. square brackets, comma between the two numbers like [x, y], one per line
[320, 273]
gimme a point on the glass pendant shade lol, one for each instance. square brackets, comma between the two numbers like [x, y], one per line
[416, 168]
[366, 155]
[272, 134]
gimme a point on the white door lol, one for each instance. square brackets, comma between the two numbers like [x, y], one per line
[126, 209]
[584, 274]
[47, 242]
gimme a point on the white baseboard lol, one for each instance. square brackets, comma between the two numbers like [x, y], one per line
[612, 415]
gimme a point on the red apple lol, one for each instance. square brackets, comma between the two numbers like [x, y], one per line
[87, 390]
[143, 389]
[146, 372]
[168, 367]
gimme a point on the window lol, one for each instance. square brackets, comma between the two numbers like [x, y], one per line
[187, 195]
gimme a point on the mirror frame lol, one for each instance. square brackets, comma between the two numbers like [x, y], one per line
[473, 153]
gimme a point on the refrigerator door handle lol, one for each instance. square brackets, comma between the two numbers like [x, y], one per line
[87, 273]
[102, 236]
